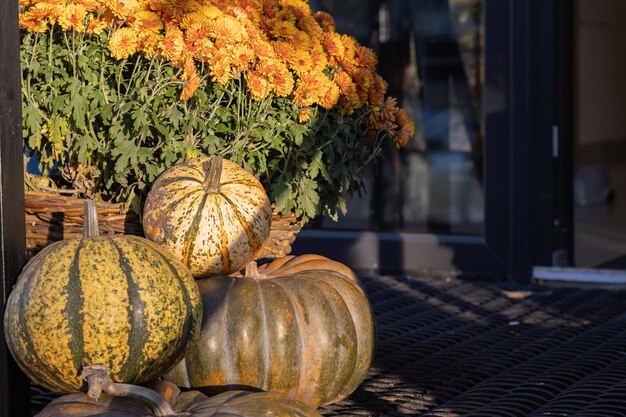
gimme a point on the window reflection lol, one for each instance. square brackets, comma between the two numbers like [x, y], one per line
[430, 53]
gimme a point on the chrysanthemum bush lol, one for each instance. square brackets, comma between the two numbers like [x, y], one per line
[116, 91]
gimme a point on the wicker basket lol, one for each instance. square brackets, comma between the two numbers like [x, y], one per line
[51, 217]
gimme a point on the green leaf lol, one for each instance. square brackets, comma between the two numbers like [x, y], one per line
[126, 152]
[79, 111]
[317, 166]
[281, 195]
[297, 132]
[310, 198]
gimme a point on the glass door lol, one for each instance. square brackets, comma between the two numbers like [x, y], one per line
[600, 135]
[461, 197]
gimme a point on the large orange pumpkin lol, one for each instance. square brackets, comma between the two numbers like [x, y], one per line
[301, 326]
[164, 399]
[209, 212]
[119, 301]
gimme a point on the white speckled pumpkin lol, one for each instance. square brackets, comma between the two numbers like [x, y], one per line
[210, 213]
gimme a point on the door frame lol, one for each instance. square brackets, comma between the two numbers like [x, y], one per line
[520, 122]
[14, 386]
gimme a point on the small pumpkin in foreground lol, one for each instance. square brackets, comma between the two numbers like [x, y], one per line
[164, 399]
[300, 326]
[119, 300]
[209, 212]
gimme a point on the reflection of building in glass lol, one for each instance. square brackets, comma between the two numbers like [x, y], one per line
[430, 52]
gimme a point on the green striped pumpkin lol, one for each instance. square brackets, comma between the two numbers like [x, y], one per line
[209, 212]
[120, 301]
[300, 326]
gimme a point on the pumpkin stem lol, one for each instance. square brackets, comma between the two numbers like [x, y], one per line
[90, 223]
[251, 270]
[99, 380]
[213, 169]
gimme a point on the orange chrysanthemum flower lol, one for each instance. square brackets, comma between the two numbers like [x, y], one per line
[45, 12]
[283, 81]
[384, 116]
[333, 44]
[304, 115]
[326, 21]
[262, 48]
[259, 86]
[366, 57]
[378, 88]
[191, 85]
[270, 8]
[32, 22]
[304, 95]
[319, 59]
[123, 43]
[173, 44]
[405, 130]
[347, 89]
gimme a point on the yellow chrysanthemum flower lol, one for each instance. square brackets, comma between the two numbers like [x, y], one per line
[145, 20]
[297, 5]
[242, 56]
[330, 96]
[194, 19]
[312, 89]
[226, 30]
[283, 29]
[283, 81]
[73, 17]
[123, 43]
[122, 9]
[220, 67]
[95, 26]
[149, 43]
[90, 5]
[300, 61]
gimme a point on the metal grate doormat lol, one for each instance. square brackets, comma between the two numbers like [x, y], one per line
[456, 348]
[449, 347]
